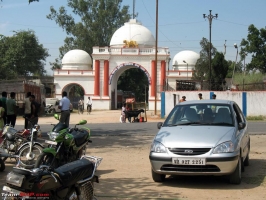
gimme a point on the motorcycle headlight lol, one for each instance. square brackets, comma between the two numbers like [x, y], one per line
[15, 179]
[158, 147]
[226, 147]
[52, 135]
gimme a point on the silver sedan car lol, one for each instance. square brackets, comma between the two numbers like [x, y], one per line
[203, 137]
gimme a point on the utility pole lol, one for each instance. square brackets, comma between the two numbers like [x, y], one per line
[210, 17]
[133, 17]
[156, 51]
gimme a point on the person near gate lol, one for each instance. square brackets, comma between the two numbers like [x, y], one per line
[89, 104]
[64, 106]
[11, 107]
[27, 109]
[182, 99]
[3, 100]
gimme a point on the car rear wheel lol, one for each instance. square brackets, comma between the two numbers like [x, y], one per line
[235, 177]
[157, 177]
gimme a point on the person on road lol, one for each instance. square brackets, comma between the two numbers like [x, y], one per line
[35, 108]
[81, 106]
[64, 106]
[2, 112]
[182, 99]
[27, 109]
[89, 104]
[3, 100]
[11, 109]
[123, 113]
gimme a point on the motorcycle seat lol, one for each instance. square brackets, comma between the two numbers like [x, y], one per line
[72, 172]
[80, 137]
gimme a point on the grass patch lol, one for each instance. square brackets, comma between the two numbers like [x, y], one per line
[259, 117]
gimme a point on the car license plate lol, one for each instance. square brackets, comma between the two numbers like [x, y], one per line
[50, 142]
[189, 161]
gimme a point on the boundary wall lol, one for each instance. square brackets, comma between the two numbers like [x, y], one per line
[252, 103]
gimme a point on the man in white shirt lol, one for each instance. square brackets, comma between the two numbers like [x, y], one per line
[89, 103]
[27, 109]
[64, 106]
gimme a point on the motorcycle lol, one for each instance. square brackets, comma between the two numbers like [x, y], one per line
[65, 145]
[21, 146]
[74, 180]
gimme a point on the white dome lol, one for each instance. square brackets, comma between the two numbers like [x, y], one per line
[133, 31]
[76, 60]
[190, 58]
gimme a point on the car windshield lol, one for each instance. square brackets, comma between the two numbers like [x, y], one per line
[200, 114]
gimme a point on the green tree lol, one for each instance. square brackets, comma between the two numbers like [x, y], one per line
[21, 55]
[219, 72]
[94, 24]
[255, 44]
[134, 80]
[202, 70]
[231, 65]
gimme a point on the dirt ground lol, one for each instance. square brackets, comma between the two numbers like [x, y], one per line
[125, 171]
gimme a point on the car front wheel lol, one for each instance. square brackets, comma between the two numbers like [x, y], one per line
[235, 177]
[157, 177]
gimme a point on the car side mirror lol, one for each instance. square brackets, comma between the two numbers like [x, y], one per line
[159, 125]
[241, 125]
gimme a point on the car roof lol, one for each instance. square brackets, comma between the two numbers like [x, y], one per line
[206, 101]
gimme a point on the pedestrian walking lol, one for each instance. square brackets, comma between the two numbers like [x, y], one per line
[35, 109]
[64, 106]
[3, 100]
[27, 109]
[11, 110]
[182, 99]
[123, 113]
[89, 105]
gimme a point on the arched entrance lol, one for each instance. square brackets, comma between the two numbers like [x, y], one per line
[116, 101]
[75, 93]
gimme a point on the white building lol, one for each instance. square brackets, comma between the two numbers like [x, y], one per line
[98, 76]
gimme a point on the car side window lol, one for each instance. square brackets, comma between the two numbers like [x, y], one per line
[243, 119]
[238, 112]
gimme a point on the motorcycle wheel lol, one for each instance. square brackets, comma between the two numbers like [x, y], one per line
[2, 165]
[23, 161]
[87, 191]
[45, 159]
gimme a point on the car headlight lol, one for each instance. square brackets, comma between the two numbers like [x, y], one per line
[226, 147]
[158, 147]
[52, 135]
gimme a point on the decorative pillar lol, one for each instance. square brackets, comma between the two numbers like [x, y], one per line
[163, 75]
[153, 78]
[97, 78]
[106, 78]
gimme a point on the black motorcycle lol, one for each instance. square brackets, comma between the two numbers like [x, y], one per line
[68, 182]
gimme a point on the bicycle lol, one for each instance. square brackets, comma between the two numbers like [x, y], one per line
[88, 109]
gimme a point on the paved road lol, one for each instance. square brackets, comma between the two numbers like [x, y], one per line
[150, 128]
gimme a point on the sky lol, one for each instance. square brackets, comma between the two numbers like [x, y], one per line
[181, 25]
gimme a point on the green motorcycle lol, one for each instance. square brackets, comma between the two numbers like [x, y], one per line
[65, 145]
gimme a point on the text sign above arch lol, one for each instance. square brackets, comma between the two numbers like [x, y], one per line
[129, 64]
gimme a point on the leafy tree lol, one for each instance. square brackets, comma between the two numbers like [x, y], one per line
[255, 44]
[94, 25]
[202, 70]
[231, 65]
[134, 80]
[21, 55]
[219, 71]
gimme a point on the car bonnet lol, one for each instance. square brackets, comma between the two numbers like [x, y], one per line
[194, 136]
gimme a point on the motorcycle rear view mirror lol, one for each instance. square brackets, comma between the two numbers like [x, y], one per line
[56, 116]
[82, 122]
